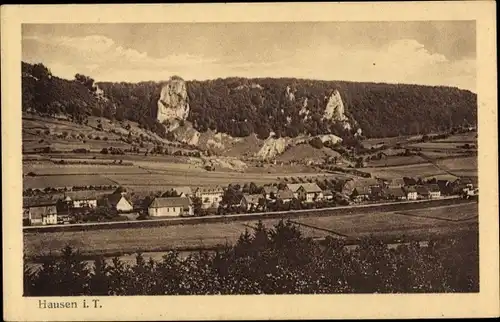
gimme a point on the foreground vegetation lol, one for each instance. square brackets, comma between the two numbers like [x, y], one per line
[279, 260]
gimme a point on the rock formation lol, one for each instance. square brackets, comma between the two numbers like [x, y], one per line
[289, 94]
[335, 110]
[173, 102]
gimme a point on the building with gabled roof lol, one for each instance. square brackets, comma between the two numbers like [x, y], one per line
[184, 191]
[249, 201]
[170, 207]
[411, 193]
[434, 191]
[309, 192]
[269, 191]
[285, 195]
[210, 196]
[119, 202]
[40, 214]
[422, 192]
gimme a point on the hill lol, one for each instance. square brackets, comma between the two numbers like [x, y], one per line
[238, 107]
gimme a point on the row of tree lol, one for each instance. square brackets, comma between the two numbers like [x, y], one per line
[279, 260]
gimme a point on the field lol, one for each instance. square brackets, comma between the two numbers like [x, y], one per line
[395, 161]
[461, 166]
[56, 181]
[470, 137]
[456, 213]
[195, 236]
[417, 170]
[49, 168]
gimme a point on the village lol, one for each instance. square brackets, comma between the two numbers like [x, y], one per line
[185, 201]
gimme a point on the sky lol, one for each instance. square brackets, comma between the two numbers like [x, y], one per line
[425, 52]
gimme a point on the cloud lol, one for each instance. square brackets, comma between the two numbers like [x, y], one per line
[101, 55]
[398, 61]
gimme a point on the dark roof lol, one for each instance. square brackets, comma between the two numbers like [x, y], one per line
[252, 199]
[40, 211]
[114, 198]
[311, 187]
[37, 202]
[82, 195]
[393, 191]
[376, 189]
[410, 189]
[216, 189]
[170, 202]
[285, 194]
[293, 186]
[422, 190]
[433, 187]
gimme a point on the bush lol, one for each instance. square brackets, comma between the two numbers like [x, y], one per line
[104, 151]
[316, 143]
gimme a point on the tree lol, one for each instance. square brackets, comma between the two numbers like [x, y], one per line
[316, 143]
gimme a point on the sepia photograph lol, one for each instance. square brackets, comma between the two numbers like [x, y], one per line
[248, 158]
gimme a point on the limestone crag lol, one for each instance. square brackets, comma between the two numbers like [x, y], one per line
[173, 102]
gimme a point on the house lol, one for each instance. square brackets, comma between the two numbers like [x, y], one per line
[434, 191]
[285, 195]
[310, 192]
[350, 185]
[422, 192]
[183, 191]
[327, 195]
[40, 214]
[170, 207]
[361, 194]
[411, 193]
[119, 202]
[249, 201]
[294, 187]
[269, 192]
[210, 196]
[394, 193]
[81, 199]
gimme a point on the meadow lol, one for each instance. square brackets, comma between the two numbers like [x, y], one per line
[416, 170]
[60, 181]
[451, 213]
[396, 161]
[209, 235]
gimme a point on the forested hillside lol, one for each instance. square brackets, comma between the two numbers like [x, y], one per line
[240, 106]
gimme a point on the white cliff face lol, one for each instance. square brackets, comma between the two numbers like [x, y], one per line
[271, 148]
[330, 138]
[173, 103]
[334, 109]
[289, 94]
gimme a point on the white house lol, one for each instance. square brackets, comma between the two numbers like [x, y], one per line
[119, 202]
[42, 214]
[170, 207]
[210, 196]
[80, 199]
[310, 192]
[411, 193]
[434, 191]
[327, 195]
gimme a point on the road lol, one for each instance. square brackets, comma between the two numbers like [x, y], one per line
[246, 216]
